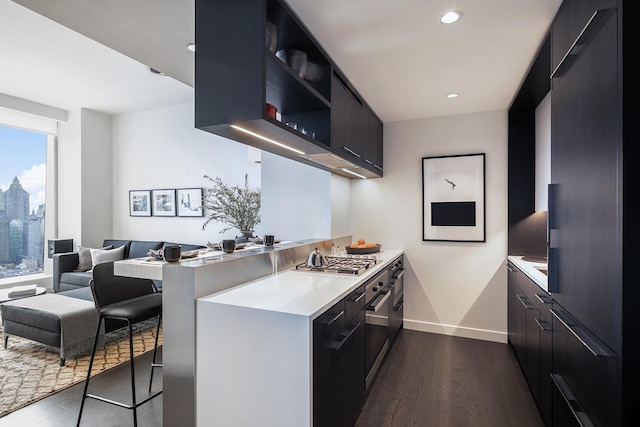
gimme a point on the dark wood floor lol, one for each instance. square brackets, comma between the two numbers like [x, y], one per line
[443, 381]
[427, 380]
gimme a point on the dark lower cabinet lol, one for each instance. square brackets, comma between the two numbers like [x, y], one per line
[338, 377]
[530, 335]
[338, 363]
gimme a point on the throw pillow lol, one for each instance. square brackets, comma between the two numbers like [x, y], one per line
[84, 255]
[99, 256]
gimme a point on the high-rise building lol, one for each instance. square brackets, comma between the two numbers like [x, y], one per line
[21, 234]
[15, 201]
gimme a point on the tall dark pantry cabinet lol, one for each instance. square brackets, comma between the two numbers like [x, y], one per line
[593, 232]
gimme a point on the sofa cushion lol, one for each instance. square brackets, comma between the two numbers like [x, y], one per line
[99, 256]
[84, 258]
[141, 248]
[77, 278]
[117, 243]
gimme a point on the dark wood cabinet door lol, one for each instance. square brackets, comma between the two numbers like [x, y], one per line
[347, 118]
[586, 170]
[373, 140]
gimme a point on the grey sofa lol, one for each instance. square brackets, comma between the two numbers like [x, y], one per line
[66, 278]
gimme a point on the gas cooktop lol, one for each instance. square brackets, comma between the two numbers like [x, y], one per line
[349, 264]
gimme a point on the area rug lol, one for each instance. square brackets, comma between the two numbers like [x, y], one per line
[30, 371]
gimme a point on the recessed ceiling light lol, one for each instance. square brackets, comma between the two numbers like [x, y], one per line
[191, 47]
[451, 17]
[452, 95]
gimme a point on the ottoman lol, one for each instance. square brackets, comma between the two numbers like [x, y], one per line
[65, 320]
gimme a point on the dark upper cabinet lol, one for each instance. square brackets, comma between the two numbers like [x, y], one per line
[237, 74]
[372, 144]
[347, 120]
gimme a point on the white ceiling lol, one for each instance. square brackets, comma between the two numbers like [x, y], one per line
[397, 53]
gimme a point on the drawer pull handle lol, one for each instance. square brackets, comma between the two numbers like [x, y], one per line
[359, 297]
[337, 316]
[543, 298]
[525, 301]
[576, 409]
[509, 268]
[337, 345]
[590, 29]
[586, 338]
[544, 325]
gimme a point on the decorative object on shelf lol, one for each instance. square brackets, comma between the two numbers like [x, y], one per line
[238, 207]
[272, 36]
[295, 59]
[453, 198]
[139, 203]
[314, 72]
[271, 110]
[164, 202]
[189, 202]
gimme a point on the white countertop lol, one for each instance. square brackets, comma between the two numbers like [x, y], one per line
[531, 270]
[299, 293]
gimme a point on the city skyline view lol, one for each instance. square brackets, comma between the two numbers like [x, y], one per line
[23, 155]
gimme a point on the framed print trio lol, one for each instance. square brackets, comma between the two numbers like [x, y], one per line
[166, 202]
[453, 198]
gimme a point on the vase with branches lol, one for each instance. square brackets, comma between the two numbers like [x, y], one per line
[236, 206]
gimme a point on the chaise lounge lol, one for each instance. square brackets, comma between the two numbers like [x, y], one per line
[68, 317]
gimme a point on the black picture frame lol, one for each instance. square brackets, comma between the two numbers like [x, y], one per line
[453, 198]
[163, 202]
[140, 203]
[189, 202]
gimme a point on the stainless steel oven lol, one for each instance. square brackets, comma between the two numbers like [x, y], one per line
[377, 310]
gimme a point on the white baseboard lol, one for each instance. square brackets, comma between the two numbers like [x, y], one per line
[456, 331]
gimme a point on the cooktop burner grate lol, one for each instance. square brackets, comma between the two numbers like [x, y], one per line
[354, 264]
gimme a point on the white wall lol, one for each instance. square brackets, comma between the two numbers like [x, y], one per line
[451, 288]
[161, 149]
[96, 200]
[296, 199]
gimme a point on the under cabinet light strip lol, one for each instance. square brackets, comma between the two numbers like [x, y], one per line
[264, 138]
[353, 173]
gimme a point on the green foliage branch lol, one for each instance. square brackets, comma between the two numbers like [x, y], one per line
[238, 207]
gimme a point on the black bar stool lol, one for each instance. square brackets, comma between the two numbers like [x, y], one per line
[130, 300]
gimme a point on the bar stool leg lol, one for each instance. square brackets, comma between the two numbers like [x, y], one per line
[133, 377]
[86, 384]
[155, 350]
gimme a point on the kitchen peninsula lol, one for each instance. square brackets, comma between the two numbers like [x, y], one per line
[215, 314]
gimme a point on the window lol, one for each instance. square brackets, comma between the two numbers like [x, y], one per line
[23, 160]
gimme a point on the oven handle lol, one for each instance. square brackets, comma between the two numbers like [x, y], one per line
[399, 275]
[376, 307]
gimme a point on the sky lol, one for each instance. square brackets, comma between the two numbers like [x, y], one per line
[23, 154]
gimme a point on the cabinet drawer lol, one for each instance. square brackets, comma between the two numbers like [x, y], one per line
[588, 368]
[535, 294]
[328, 324]
[353, 303]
